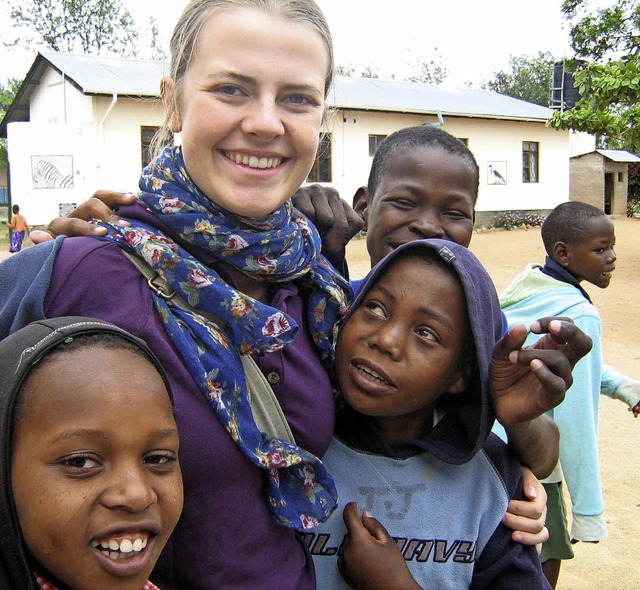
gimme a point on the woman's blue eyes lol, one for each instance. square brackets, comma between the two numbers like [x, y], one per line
[296, 100]
[299, 100]
[229, 90]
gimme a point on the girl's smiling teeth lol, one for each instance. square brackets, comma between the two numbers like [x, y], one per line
[372, 375]
[126, 547]
[253, 161]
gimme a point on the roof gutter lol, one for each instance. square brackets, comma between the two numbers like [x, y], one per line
[114, 100]
[101, 146]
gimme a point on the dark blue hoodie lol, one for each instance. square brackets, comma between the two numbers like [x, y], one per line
[441, 496]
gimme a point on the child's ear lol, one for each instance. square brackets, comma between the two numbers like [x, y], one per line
[361, 203]
[460, 384]
[561, 254]
[167, 90]
[465, 375]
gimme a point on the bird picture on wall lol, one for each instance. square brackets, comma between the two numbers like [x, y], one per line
[497, 173]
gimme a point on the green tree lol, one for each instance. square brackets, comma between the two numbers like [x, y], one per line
[157, 50]
[609, 81]
[7, 94]
[528, 78]
[345, 70]
[370, 72]
[87, 26]
[429, 71]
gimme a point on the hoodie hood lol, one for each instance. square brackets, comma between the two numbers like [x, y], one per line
[469, 416]
[19, 352]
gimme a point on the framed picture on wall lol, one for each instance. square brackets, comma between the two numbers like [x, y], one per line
[52, 171]
[497, 173]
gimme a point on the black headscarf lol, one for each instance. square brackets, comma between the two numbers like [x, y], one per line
[18, 354]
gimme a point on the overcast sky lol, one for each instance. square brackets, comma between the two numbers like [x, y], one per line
[473, 38]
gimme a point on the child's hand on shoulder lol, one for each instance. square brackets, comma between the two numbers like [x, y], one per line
[371, 559]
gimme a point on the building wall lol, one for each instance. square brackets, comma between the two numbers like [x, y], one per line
[57, 101]
[102, 139]
[30, 143]
[620, 172]
[489, 140]
[588, 181]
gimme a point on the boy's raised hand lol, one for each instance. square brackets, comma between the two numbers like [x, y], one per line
[371, 559]
[101, 205]
[528, 381]
[334, 218]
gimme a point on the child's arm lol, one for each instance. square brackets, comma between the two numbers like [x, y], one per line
[334, 218]
[102, 205]
[371, 559]
[620, 387]
[503, 563]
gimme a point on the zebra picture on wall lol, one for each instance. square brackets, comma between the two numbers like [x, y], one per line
[52, 171]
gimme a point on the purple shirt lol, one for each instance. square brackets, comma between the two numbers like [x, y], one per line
[226, 536]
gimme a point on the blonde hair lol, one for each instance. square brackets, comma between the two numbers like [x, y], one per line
[187, 31]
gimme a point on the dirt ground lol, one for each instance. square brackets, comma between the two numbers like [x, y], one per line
[612, 563]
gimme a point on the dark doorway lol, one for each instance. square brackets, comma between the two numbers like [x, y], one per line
[608, 193]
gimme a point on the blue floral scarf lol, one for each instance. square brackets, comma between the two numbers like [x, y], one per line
[282, 247]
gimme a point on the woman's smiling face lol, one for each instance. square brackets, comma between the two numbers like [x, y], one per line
[250, 106]
[94, 468]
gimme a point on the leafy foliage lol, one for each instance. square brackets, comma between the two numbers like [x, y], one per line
[345, 70]
[634, 182]
[7, 94]
[86, 26]
[529, 78]
[513, 219]
[157, 50]
[609, 89]
[429, 71]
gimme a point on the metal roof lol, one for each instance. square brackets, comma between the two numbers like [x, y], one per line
[619, 155]
[373, 94]
[96, 75]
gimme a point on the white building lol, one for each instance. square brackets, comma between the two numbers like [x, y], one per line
[82, 123]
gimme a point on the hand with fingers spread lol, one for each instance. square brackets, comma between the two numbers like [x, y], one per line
[528, 381]
[102, 206]
[371, 559]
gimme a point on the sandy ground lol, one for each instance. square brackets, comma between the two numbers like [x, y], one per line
[611, 564]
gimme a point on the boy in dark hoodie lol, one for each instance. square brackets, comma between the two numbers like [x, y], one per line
[91, 486]
[413, 444]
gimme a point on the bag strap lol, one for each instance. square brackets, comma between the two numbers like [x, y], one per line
[267, 413]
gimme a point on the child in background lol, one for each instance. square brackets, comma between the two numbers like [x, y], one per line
[91, 485]
[413, 444]
[579, 240]
[19, 228]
